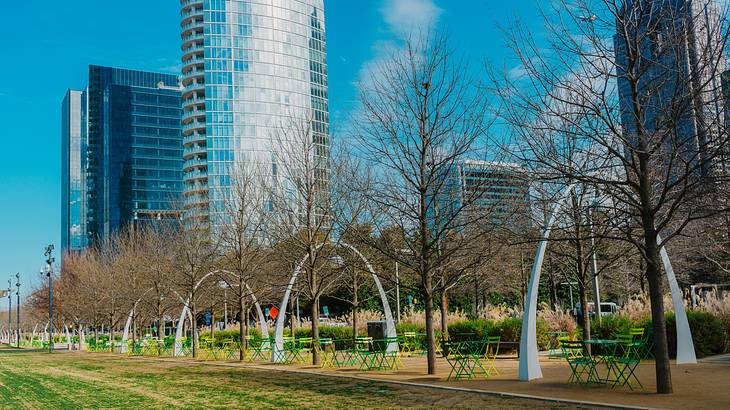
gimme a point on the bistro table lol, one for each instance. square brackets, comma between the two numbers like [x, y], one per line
[604, 350]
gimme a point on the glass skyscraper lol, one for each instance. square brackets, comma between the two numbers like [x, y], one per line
[129, 154]
[676, 65]
[73, 178]
[499, 191]
[248, 67]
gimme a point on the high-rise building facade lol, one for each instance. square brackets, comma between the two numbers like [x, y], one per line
[248, 67]
[73, 177]
[129, 158]
[676, 68]
[498, 191]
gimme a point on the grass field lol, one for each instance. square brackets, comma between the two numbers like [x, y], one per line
[73, 381]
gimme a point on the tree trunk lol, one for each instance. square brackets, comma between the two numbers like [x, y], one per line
[111, 333]
[315, 330]
[444, 314]
[355, 303]
[430, 333]
[586, 326]
[194, 329]
[242, 345]
[212, 323]
[656, 296]
[476, 296]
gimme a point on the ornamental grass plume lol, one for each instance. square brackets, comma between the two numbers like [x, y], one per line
[557, 320]
[638, 308]
[718, 306]
[363, 317]
[418, 317]
[498, 313]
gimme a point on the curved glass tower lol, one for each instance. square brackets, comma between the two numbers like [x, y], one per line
[248, 65]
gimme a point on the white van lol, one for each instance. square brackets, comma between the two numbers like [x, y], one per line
[607, 308]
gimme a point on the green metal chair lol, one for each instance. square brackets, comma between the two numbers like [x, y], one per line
[580, 364]
[462, 362]
[408, 343]
[261, 349]
[491, 351]
[327, 351]
[625, 360]
[645, 349]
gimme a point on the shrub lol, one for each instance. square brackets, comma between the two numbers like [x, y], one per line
[403, 327]
[333, 332]
[611, 326]
[720, 308]
[470, 329]
[708, 333]
[225, 334]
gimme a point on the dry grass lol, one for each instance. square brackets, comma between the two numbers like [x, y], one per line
[638, 308]
[557, 320]
[363, 317]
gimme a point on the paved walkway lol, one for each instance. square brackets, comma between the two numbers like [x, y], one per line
[719, 359]
[695, 386]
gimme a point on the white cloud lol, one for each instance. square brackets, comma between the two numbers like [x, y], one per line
[517, 72]
[405, 16]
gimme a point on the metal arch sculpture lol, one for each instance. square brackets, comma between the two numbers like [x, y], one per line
[279, 329]
[186, 310]
[529, 368]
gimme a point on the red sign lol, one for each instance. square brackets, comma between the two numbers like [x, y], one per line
[273, 312]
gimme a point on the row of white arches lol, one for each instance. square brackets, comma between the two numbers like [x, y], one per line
[529, 364]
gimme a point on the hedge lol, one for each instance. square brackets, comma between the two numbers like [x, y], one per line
[708, 334]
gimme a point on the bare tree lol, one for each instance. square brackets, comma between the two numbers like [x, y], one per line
[421, 116]
[243, 239]
[642, 112]
[157, 258]
[308, 205]
[195, 254]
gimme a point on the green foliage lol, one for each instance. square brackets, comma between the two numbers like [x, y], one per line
[401, 328]
[227, 334]
[509, 330]
[333, 332]
[611, 326]
[708, 333]
[470, 329]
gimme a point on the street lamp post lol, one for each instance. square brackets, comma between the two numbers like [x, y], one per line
[10, 312]
[49, 270]
[17, 310]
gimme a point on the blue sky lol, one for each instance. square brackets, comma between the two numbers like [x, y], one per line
[49, 45]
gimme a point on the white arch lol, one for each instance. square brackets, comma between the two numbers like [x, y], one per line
[181, 324]
[278, 347]
[529, 362]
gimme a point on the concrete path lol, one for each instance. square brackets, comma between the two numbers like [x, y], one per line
[720, 359]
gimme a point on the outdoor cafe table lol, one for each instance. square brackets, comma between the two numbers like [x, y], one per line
[604, 351]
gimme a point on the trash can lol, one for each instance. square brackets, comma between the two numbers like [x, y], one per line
[377, 330]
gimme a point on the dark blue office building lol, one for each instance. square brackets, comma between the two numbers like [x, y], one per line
[133, 150]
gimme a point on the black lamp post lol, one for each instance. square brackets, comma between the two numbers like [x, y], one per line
[17, 309]
[49, 270]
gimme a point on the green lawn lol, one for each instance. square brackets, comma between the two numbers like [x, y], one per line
[72, 381]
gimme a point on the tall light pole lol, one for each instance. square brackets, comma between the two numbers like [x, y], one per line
[49, 270]
[10, 312]
[17, 309]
